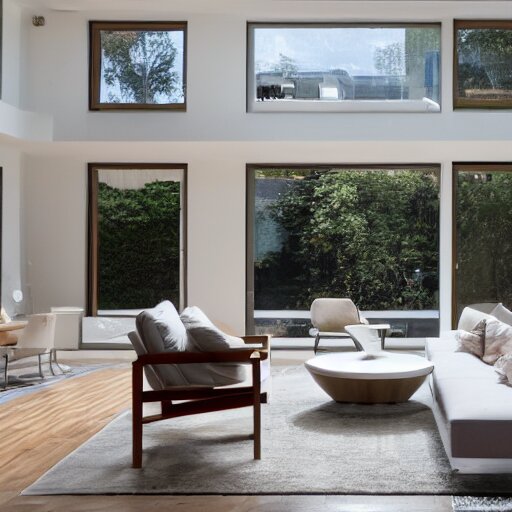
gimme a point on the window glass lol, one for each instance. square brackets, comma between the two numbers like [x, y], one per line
[483, 224]
[326, 66]
[138, 65]
[483, 64]
[137, 238]
[369, 234]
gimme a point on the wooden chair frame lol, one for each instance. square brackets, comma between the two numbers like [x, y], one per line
[199, 399]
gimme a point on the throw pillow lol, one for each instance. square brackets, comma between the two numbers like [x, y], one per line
[502, 314]
[162, 324]
[504, 368]
[204, 336]
[472, 341]
[498, 340]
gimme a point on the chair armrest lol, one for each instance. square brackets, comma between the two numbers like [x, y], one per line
[263, 339]
[363, 320]
[227, 356]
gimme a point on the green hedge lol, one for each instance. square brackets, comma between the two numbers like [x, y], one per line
[357, 234]
[139, 241]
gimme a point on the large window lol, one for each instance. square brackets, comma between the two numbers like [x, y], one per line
[136, 237]
[369, 233]
[139, 65]
[483, 227]
[343, 67]
[483, 64]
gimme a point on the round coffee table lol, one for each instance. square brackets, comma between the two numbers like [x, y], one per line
[359, 377]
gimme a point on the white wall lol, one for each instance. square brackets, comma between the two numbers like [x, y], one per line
[217, 138]
[58, 78]
[10, 161]
[55, 209]
[11, 52]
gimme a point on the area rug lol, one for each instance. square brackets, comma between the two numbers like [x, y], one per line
[481, 504]
[311, 445]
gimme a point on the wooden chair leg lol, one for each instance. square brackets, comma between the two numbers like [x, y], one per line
[137, 416]
[166, 406]
[256, 382]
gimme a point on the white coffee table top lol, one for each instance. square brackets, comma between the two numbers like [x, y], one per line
[360, 365]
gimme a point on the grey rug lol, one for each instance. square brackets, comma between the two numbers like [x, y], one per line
[481, 504]
[311, 445]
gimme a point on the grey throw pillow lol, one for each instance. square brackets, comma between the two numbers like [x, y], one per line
[498, 340]
[162, 324]
[204, 336]
[473, 341]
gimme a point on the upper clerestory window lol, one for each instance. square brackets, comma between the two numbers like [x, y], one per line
[340, 67]
[483, 64]
[137, 65]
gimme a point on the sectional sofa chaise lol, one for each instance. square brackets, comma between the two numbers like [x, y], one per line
[472, 407]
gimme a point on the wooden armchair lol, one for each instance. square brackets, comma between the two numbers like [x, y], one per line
[197, 399]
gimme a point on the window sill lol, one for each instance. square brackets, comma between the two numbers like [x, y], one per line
[424, 105]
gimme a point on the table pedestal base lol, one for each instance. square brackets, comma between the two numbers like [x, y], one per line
[376, 391]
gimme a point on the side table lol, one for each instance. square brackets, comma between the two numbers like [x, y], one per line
[7, 337]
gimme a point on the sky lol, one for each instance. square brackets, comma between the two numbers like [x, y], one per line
[321, 49]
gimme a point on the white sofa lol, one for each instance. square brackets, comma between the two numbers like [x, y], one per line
[472, 408]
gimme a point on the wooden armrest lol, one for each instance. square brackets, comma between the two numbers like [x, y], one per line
[264, 339]
[227, 356]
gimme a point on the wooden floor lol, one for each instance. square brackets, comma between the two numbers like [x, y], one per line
[39, 429]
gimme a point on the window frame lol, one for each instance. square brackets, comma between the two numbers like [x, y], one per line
[250, 190]
[465, 103]
[95, 28]
[456, 168]
[345, 106]
[92, 229]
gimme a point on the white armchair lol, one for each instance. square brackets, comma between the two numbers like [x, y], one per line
[329, 317]
[35, 340]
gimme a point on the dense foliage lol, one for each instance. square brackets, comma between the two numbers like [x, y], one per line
[141, 65]
[139, 245]
[371, 235]
[484, 242]
[485, 59]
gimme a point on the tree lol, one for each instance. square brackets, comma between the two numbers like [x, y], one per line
[140, 64]
[358, 234]
[287, 66]
[390, 59]
[486, 51]
[484, 245]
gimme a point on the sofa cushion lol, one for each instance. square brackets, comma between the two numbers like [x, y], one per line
[470, 317]
[498, 340]
[503, 367]
[478, 414]
[204, 336]
[473, 341]
[461, 366]
[445, 343]
[502, 314]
